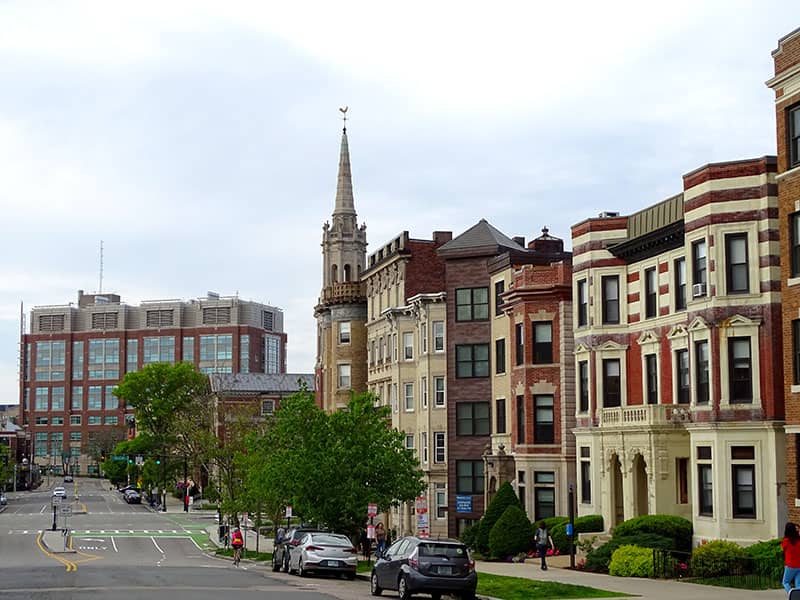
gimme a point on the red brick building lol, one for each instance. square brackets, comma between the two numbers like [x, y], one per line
[75, 355]
[678, 334]
[786, 84]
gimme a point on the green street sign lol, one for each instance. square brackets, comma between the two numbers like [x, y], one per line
[119, 458]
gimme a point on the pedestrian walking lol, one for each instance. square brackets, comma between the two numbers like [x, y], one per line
[380, 537]
[366, 543]
[791, 557]
[543, 543]
[280, 534]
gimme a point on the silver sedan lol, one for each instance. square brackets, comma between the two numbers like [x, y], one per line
[324, 553]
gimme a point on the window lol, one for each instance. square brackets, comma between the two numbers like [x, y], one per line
[651, 378]
[612, 396]
[744, 482]
[472, 304]
[440, 491]
[394, 348]
[57, 398]
[95, 399]
[162, 349]
[544, 494]
[213, 348]
[520, 419]
[423, 387]
[519, 338]
[682, 476]
[344, 332]
[680, 284]
[650, 293]
[438, 336]
[344, 377]
[736, 271]
[500, 356]
[75, 436]
[267, 407]
[610, 286]
[542, 343]
[521, 488]
[682, 376]
[408, 396]
[409, 441]
[583, 303]
[42, 401]
[75, 419]
[187, 353]
[423, 337]
[701, 371]
[740, 370]
[244, 353]
[77, 397]
[472, 418]
[77, 360]
[543, 419]
[439, 441]
[95, 420]
[705, 481]
[796, 350]
[132, 358]
[586, 475]
[104, 359]
[438, 392]
[423, 445]
[794, 241]
[472, 360]
[469, 476]
[583, 382]
[40, 421]
[50, 361]
[112, 420]
[699, 268]
[408, 346]
[112, 402]
[267, 320]
[500, 414]
[272, 354]
[499, 288]
[56, 444]
[40, 446]
[793, 130]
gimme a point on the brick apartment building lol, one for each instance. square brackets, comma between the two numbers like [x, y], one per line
[532, 376]
[407, 366]
[74, 355]
[677, 340]
[341, 311]
[786, 84]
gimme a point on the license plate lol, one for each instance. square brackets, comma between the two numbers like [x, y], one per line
[331, 563]
[445, 570]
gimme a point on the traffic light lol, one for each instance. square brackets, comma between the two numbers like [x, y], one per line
[103, 456]
[158, 460]
[130, 460]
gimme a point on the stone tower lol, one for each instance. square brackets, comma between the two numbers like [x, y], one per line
[341, 312]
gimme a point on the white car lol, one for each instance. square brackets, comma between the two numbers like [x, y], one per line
[60, 492]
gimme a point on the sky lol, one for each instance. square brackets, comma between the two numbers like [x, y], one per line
[199, 141]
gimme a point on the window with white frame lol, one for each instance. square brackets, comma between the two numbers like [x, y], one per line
[740, 370]
[344, 332]
[743, 480]
[408, 396]
[394, 347]
[440, 490]
[438, 336]
[267, 407]
[409, 441]
[438, 392]
[423, 387]
[701, 373]
[344, 377]
[423, 444]
[612, 389]
[650, 293]
[583, 303]
[408, 345]
[439, 442]
[736, 269]
[423, 337]
[705, 482]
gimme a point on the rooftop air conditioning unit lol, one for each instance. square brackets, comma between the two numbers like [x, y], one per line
[698, 290]
[607, 214]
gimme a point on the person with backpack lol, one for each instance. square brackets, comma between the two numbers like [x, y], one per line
[543, 542]
[791, 558]
[237, 541]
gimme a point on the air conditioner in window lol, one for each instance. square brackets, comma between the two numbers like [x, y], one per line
[698, 289]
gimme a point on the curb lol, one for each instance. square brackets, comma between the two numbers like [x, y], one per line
[69, 549]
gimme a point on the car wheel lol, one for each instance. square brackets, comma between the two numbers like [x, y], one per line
[468, 595]
[350, 576]
[374, 588]
[402, 589]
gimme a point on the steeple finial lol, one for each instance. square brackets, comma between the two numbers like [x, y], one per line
[344, 118]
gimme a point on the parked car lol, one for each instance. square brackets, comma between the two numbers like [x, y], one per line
[68, 479]
[133, 497]
[421, 565]
[320, 552]
[132, 486]
[3, 499]
[60, 492]
[283, 549]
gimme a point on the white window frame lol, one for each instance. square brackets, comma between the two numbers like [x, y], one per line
[409, 441]
[408, 397]
[423, 444]
[437, 392]
[344, 333]
[423, 390]
[408, 345]
[440, 495]
[438, 337]
[439, 447]
[343, 380]
[423, 337]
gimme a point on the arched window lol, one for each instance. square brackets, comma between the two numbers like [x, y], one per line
[347, 272]
[335, 274]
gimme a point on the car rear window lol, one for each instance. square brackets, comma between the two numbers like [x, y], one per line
[448, 550]
[330, 540]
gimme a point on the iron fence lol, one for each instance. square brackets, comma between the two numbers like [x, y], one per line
[747, 573]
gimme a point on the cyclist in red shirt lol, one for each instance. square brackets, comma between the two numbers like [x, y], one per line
[791, 557]
[237, 541]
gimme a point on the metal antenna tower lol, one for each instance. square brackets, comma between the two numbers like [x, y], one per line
[100, 291]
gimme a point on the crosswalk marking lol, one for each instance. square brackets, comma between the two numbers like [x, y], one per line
[116, 532]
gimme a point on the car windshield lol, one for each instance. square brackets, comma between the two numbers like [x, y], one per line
[448, 550]
[330, 539]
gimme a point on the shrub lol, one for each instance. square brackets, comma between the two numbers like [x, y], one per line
[671, 526]
[504, 498]
[582, 525]
[713, 559]
[599, 558]
[631, 561]
[470, 534]
[511, 533]
[768, 557]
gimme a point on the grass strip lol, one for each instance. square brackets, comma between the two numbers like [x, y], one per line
[520, 588]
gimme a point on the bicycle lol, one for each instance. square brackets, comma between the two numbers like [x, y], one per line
[237, 555]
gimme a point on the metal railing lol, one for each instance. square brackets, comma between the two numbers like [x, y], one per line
[743, 573]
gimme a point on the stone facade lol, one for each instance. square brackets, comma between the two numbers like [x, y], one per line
[786, 84]
[677, 333]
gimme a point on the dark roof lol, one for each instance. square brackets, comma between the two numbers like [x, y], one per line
[481, 237]
[284, 383]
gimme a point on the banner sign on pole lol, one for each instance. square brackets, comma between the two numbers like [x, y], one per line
[288, 512]
[372, 510]
[371, 532]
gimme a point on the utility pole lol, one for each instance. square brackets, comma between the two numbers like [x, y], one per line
[185, 486]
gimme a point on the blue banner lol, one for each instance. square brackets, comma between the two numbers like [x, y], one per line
[463, 504]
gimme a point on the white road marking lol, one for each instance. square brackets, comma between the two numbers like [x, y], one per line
[113, 543]
[41, 511]
[156, 545]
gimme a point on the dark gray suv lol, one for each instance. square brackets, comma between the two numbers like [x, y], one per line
[421, 565]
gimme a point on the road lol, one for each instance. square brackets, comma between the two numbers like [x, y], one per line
[129, 552]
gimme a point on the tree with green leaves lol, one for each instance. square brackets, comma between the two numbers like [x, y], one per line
[328, 467]
[505, 497]
[6, 466]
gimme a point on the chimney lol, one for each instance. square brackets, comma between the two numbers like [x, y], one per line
[520, 239]
[442, 237]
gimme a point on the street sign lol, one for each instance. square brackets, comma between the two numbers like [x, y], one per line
[371, 532]
[56, 500]
[66, 510]
[288, 512]
[118, 458]
[372, 510]
[421, 504]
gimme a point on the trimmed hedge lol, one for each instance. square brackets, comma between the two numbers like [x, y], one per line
[470, 534]
[511, 533]
[505, 497]
[585, 524]
[631, 561]
[713, 558]
[670, 526]
[769, 558]
[599, 558]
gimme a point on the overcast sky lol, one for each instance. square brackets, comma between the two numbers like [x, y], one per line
[200, 140]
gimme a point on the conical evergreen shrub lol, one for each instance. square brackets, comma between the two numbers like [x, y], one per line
[504, 498]
[511, 534]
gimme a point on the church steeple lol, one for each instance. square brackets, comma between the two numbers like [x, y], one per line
[344, 185]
